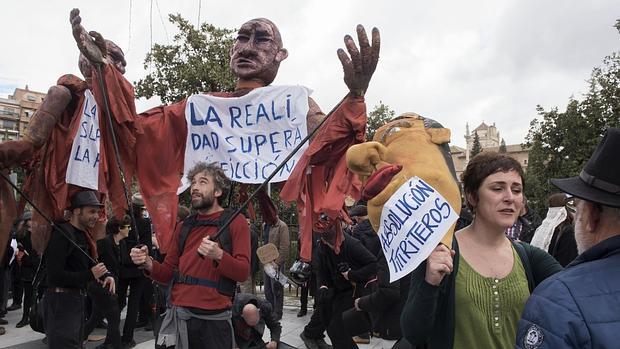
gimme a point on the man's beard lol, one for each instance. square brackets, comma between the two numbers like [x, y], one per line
[583, 239]
[206, 203]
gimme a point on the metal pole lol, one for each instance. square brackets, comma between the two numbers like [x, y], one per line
[51, 223]
[116, 152]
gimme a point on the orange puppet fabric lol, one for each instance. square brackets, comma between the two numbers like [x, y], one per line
[46, 180]
[321, 179]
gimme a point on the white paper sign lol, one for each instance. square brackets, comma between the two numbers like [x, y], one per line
[83, 168]
[413, 222]
[248, 136]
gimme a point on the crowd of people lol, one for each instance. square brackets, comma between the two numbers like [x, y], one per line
[490, 289]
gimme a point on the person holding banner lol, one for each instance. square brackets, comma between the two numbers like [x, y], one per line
[472, 294]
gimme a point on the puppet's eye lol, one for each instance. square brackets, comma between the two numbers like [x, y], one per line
[394, 129]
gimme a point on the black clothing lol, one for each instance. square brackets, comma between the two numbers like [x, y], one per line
[63, 318]
[563, 246]
[214, 334]
[133, 303]
[529, 223]
[341, 292]
[386, 302]
[364, 232]
[252, 337]
[30, 260]
[105, 306]
[67, 266]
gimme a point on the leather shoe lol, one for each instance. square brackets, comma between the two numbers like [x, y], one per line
[22, 323]
[302, 312]
[310, 343]
[128, 345]
[14, 307]
[3, 322]
[322, 343]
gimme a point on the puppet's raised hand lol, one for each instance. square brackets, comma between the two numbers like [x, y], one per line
[359, 67]
[91, 44]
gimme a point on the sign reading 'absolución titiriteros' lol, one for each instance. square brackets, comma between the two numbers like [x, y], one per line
[248, 136]
[413, 222]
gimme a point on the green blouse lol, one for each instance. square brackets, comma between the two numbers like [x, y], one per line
[487, 309]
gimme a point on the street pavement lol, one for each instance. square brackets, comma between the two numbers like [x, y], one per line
[292, 326]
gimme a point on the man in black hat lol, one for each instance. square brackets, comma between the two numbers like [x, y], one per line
[580, 307]
[70, 268]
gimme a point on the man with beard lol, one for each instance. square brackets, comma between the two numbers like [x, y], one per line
[200, 264]
[578, 307]
[69, 270]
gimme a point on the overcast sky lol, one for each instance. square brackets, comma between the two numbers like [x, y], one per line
[453, 61]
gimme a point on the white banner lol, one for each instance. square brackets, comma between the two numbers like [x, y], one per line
[83, 168]
[413, 222]
[544, 233]
[248, 136]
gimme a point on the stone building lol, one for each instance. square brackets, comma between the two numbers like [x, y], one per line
[490, 140]
[16, 112]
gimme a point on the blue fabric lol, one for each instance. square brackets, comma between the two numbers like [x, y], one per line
[578, 307]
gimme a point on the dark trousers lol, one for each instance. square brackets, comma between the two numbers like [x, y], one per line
[315, 329]
[104, 306]
[303, 298]
[147, 301]
[136, 286]
[341, 302]
[18, 290]
[63, 315]
[274, 293]
[209, 334]
[5, 278]
[28, 297]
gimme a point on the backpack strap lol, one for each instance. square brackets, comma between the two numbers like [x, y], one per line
[526, 261]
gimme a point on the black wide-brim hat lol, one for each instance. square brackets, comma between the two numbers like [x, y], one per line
[599, 181]
[85, 198]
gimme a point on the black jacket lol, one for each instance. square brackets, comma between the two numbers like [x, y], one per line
[387, 301]
[66, 265]
[31, 259]
[142, 236]
[109, 254]
[364, 232]
[362, 263]
[245, 335]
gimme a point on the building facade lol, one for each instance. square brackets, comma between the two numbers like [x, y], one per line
[490, 140]
[16, 111]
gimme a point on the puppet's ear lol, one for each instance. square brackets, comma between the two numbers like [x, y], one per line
[439, 135]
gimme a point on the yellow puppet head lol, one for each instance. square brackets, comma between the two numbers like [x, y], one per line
[407, 146]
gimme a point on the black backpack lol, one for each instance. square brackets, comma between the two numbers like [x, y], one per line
[225, 285]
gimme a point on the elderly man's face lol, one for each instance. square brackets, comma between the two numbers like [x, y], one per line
[584, 239]
[257, 52]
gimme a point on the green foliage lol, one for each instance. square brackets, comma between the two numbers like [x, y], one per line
[476, 148]
[197, 61]
[562, 141]
[378, 117]
[502, 146]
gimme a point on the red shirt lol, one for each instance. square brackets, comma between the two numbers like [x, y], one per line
[235, 266]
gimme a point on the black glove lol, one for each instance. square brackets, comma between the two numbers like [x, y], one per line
[324, 295]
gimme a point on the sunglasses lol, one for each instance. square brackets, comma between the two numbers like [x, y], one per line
[571, 204]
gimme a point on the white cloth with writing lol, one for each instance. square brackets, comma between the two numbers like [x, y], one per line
[249, 136]
[83, 167]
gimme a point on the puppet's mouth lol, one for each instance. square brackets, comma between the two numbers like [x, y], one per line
[379, 180]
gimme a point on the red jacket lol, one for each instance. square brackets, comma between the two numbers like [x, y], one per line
[234, 266]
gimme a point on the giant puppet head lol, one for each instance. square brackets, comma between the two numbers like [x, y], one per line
[257, 52]
[407, 146]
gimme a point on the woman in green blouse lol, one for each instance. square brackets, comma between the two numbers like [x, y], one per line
[471, 296]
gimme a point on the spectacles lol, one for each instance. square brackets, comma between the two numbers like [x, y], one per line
[571, 204]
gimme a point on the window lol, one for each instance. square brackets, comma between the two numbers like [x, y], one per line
[31, 98]
[525, 162]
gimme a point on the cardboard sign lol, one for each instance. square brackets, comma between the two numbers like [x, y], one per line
[83, 168]
[248, 136]
[267, 253]
[413, 222]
